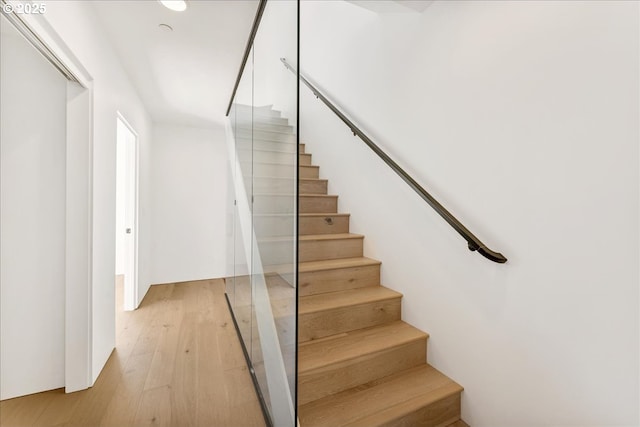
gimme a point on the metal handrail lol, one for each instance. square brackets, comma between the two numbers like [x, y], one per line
[473, 242]
[247, 49]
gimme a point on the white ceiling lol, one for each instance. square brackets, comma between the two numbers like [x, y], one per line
[185, 76]
[393, 6]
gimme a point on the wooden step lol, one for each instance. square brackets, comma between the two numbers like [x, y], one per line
[274, 224]
[305, 159]
[323, 223]
[309, 172]
[244, 145]
[420, 396]
[316, 247]
[286, 157]
[264, 135]
[264, 204]
[282, 223]
[278, 170]
[318, 277]
[458, 423]
[302, 148]
[266, 123]
[255, 112]
[348, 360]
[248, 120]
[311, 203]
[333, 313]
[284, 203]
[274, 185]
[313, 186]
[287, 184]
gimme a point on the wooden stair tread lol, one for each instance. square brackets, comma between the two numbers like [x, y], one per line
[279, 164]
[349, 345]
[334, 264]
[301, 195]
[291, 178]
[310, 237]
[321, 214]
[308, 215]
[381, 401]
[459, 423]
[352, 297]
[281, 132]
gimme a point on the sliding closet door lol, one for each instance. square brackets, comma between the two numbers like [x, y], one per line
[32, 219]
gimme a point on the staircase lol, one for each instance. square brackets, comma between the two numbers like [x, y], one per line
[359, 364]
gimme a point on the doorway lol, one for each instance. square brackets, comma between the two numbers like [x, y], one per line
[126, 214]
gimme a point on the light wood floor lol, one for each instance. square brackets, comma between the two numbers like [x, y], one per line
[178, 362]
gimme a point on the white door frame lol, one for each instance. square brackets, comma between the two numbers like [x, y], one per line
[79, 205]
[131, 285]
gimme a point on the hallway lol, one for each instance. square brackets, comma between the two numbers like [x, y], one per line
[178, 362]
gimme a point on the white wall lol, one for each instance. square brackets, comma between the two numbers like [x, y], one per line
[189, 192]
[78, 26]
[33, 97]
[522, 118]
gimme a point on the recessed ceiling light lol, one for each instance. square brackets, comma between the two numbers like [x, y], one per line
[165, 27]
[177, 5]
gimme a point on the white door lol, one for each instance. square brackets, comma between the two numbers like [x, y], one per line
[126, 205]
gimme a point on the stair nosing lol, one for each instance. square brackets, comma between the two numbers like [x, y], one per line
[336, 236]
[390, 295]
[428, 397]
[384, 345]
[302, 268]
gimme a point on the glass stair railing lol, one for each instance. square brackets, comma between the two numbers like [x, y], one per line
[263, 150]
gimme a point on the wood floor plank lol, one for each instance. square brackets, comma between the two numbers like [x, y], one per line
[59, 410]
[155, 408]
[185, 375]
[124, 403]
[161, 370]
[178, 362]
[24, 411]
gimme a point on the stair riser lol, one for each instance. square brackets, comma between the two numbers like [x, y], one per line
[309, 172]
[440, 413]
[313, 187]
[266, 124]
[316, 250]
[286, 185]
[264, 185]
[251, 113]
[305, 159]
[312, 204]
[326, 224]
[318, 282]
[262, 135]
[335, 378]
[247, 121]
[278, 171]
[273, 204]
[335, 321]
[302, 149]
[279, 157]
[263, 156]
[276, 253]
[246, 145]
[274, 226]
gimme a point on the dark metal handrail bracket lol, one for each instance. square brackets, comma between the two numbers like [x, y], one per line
[247, 50]
[473, 242]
